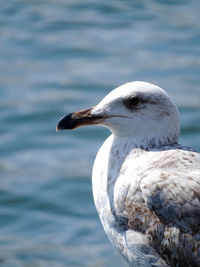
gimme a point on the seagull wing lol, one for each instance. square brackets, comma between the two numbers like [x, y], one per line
[166, 206]
[174, 193]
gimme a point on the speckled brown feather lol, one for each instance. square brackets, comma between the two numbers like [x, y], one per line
[177, 247]
[168, 218]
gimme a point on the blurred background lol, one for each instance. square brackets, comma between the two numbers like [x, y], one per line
[58, 56]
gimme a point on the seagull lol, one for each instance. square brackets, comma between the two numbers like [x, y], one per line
[146, 186]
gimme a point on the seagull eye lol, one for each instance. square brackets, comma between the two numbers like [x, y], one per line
[132, 102]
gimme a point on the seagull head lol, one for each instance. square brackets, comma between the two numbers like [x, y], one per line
[137, 110]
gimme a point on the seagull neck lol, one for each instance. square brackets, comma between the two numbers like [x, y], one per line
[141, 142]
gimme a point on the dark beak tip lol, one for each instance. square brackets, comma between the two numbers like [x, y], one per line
[65, 123]
[59, 126]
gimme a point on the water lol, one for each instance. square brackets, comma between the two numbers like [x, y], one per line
[60, 56]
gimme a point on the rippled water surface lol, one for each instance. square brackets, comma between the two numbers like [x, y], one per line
[58, 56]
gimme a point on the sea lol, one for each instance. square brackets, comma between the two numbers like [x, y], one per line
[60, 56]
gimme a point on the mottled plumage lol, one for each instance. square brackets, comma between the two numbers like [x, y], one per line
[146, 186]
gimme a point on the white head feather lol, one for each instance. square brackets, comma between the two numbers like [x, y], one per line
[142, 111]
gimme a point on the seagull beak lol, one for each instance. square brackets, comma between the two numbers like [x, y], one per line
[79, 118]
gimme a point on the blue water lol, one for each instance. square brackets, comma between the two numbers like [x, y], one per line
[59, 56]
